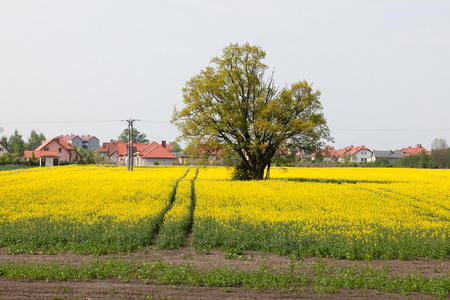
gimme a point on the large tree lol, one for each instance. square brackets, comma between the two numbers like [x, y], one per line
[16, 144]
[140, 138]
[232, 105]
[440, 154]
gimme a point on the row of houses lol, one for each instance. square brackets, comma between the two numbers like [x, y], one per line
[116, 152]
[60, 149]
[361, 154]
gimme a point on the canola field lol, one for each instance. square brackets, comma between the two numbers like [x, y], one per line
[355, 213]
[85, 209]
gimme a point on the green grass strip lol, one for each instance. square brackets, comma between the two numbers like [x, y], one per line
[325, 279]
[177, 221]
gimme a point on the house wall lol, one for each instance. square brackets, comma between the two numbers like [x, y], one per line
[64, 155]
[47, 161]
[3, 150]
[76, 141]
[162, 161]
[93, 144]
[363, 155]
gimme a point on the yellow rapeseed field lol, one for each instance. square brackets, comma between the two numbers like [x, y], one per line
[356, 213]
[98, 207]
[342, 212]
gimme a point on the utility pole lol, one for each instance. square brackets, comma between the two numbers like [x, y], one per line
[130, 143]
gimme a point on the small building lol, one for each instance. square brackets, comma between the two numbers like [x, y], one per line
[152, 154]
[75, 140]
[414, 151]
[46, 158]
[328, 154]
[357, 154]
[90, 142]
[87, 142]
[392, 156]
[3, 149]
[66, 152]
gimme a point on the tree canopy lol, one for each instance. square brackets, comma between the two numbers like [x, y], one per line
[232, 105]
[140, 138]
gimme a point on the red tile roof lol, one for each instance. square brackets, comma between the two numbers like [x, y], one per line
[39, 154]
[65, 144]
[344, 151]
[356, 149]
[155, 150]
[414, 151]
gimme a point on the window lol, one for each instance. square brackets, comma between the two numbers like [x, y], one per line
[1, 149]
[46, 149]
[59, 150]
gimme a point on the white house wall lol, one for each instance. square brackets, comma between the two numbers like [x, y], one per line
[161, 161]
[363, 155]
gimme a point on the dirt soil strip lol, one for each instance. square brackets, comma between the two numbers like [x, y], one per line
[111, 289]
[250, 260]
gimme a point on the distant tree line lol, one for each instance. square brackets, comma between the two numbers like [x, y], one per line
[16, 146]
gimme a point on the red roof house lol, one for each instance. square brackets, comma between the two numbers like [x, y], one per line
[46, 158]
[153, 153]
[328, 153]
[63, 149]
[414, 151]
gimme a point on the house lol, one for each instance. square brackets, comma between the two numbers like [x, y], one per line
[392, 156]
[3, 149]
[90, 142]
[46, 158]
[87, 142]
[75, 140]
[153, 153]
[328, 154]
[116, 152]
[353, 154]
[204, 156]
[342, 153]
[66, 152]
[303, 155]
[414, 151]
[113, 152]
[360, 154]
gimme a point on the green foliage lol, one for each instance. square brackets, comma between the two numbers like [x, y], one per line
[16, 144]
[416, 161]
[15, 159]
[241, 172]
[441, 158]
[232, 105]
[324, 278]
[178, 220]
[138, 137]
[440, 154]
[176, 148]
[318, 156]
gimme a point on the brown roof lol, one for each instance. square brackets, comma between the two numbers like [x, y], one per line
[359, 148]
[65, 144]
[344, 151]
[39, 154]
[414, 151]
[155, 150]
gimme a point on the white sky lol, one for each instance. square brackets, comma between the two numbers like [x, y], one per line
[380, 65]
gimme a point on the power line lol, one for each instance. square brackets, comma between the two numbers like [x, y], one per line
[76, 122]
[404, 129]
[61, 122]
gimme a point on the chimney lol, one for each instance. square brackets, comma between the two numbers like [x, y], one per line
[163, 143]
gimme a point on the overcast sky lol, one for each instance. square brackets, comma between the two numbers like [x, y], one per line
[383, 67]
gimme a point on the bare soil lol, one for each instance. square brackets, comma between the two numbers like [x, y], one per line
[112, 288]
